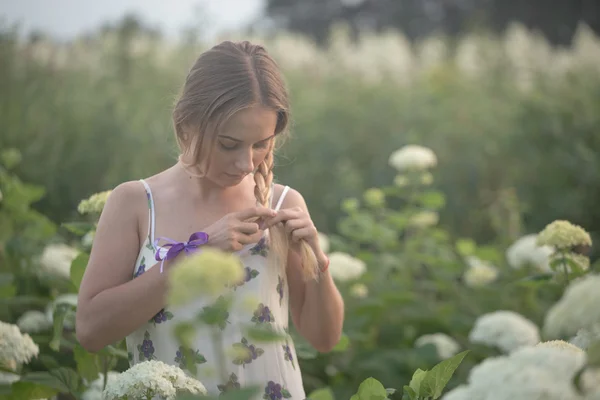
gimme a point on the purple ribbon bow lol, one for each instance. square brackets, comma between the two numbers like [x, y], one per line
[196, 240]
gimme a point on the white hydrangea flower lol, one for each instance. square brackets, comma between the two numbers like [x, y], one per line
[152, 378]
[479, 273]
[446, 346]
[16, 348]
[525, 251]
[530, 373]
[343, 267]
[33, 321]
[586, 336]
[94, 391]
[424, 219]
[461, 392]
[506, 330]
[209, 271]
[57, 258]
[413, 157]
[94, 204]
[323, 242]
[8, 378]
[577, 309]
[359, 290]
[562, 234]
[560, 344]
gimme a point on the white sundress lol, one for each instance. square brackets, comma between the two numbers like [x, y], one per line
[271, 366]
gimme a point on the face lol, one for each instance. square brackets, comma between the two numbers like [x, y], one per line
[241, 145]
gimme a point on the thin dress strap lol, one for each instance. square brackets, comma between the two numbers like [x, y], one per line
[151, 217]
[281, 198]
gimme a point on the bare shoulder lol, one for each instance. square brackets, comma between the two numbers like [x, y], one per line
[293, 198]
[126, 204]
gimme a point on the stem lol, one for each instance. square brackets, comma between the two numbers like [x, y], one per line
[564, 263]
[217, 339]
[105, 362]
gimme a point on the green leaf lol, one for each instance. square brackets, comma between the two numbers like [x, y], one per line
[78, 228]
[342, 345]
[87, 363]
[417, 379]
[371, 389]
[60, 313]
[321, 394]
[436, 380]
[29, 390]
[593, 354]
[264, 333]
[62, 379]
[409, 393]
[433, 200]
[78, 267]
[466, 247]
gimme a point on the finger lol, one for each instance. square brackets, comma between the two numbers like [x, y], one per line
[250, 239]
[294, 224]
[248, 228]
[283, 215]
[255, 212]
[302, 233]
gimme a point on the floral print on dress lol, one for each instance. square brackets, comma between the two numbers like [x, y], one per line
[162, 316]
[261, 248]
[262, 314]
[287, 354]
[141, 269]
[274, 391]
[246, 352]
[184, 354]
[216, 314]
[280, 286]
[231, 384]
[249, 274]
[146, 349]
[130, 358]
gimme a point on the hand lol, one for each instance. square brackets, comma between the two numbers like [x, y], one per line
[299, 226]
[235, 230]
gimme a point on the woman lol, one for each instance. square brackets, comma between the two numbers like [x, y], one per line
[232, 109]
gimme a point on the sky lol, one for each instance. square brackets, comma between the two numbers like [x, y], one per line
[65, 19]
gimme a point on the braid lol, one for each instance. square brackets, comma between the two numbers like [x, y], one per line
[279, 241]
[263, 177]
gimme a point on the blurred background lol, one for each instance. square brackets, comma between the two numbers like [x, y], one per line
[506, 93]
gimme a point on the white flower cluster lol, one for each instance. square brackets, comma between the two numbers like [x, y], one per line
[424, 219]
[445, 345]
[577, 309]
[479, 272]
[33, 321]
[16, 348]
[359, 290]
[148, 379]
[586, 336]
[526, 252]
[95, 389]
[506, 330]
[413, 157]
[343, 267]
[542, 372]
[56, 259]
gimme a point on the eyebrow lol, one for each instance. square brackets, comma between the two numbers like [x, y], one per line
[238, 140]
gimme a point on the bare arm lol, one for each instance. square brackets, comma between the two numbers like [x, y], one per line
[317, 308]
[110, 304]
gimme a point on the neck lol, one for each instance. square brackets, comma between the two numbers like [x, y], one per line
[203, 188]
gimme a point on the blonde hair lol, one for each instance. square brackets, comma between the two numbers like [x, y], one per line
[226, 79]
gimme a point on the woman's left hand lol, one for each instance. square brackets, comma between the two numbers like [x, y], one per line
[299, 226]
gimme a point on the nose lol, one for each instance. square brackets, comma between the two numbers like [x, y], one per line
[244, 163]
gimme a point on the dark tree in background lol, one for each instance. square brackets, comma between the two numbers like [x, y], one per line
[556, 19]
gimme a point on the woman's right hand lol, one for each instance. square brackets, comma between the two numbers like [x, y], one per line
[235, 230]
